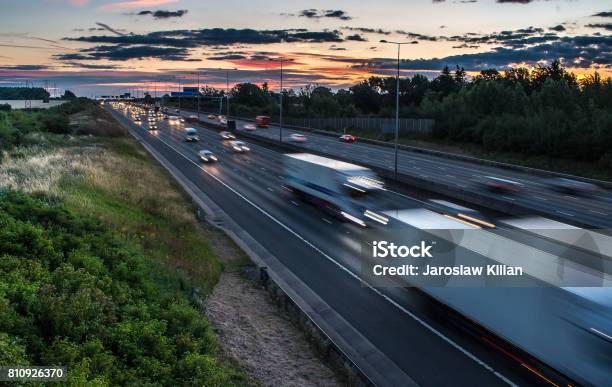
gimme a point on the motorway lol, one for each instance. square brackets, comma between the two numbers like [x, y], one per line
[594, 211]
[416, 334]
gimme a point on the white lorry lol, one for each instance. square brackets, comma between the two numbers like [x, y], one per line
[330, 184]
[567, 328]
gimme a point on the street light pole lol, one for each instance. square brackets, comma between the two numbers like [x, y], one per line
[280, 129]
[397, 95]
[227, 92]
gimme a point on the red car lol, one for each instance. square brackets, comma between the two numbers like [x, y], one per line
[347, 138]
[262, 121]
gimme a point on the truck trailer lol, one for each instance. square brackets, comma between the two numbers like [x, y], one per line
[332, 185]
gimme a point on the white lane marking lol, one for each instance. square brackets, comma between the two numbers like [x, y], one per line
[327, 221]
[564, 213]
[540, 198]
[270, 189]
[295, 203]
[601, 333]
[599, 212]
[350, 273]
[508, 198]
[251, 178]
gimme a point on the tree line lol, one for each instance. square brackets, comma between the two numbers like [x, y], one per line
[546, 110]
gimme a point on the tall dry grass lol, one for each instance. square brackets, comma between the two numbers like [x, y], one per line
[115, 181]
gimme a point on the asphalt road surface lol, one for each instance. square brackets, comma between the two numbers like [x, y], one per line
[595, 210]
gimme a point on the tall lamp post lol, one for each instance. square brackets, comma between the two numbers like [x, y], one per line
[198, 93]
[227, 97]
[397, 93]
[280, 129]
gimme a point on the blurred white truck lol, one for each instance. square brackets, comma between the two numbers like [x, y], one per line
[332, 185]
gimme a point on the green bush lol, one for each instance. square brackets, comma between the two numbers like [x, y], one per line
[73, 293]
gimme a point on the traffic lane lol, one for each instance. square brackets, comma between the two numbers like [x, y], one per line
[359, 305]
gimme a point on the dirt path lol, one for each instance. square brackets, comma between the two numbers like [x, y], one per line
[273, 351]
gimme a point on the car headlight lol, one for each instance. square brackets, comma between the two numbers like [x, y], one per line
[246, 148]
[213, 158]
[236, 148]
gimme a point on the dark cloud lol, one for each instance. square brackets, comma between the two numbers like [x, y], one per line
[215, 37]
[557, 28]
[515, 1]
[161, 14]
[123, 53]
[604, 14]
[25, 67]
[110, 29]
[605, 26]
[356, 38]
[321, 13]
[90, 66]
[379, 31]
[579, 51]
[227, 57]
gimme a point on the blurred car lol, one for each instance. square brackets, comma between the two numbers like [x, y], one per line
[152, 127]
[173, 120]
[177, 111]
[137, 121]
[249, 127]
[296, 137]
[227, 136]
[207, 156]
[191, 135]
[193, 118]
[572, 187]
[239, 146]
[212, 117]
[262, 121]
[499, 185]
[181, 120]
[347, 138]
[223, 120]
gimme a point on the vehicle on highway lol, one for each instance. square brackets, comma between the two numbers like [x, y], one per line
[193, 118]
[572, 187]
[173, 120]
[239, 146]
[296, 137]
[212, 117]
[331, 185]
[262, 121]
[566, 328]
[137, 121]
[152, 127]
[347, 138]
[177, 111]
[227, 136]
[191, 135]
[222, 120]
[499, 185]
[207, 156]
[250, 127]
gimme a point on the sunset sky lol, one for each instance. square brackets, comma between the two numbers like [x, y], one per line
[97, 47]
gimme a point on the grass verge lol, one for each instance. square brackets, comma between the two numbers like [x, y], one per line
[115, 296]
